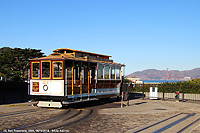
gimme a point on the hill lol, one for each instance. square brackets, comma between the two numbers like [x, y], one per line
[153, 74]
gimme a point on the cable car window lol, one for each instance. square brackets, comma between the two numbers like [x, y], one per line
[69, 73]
[75, 76]
[90, 76]
[86, 78]
[106, 72]
[112, 73]
[35, 69]
[82, 76]
[153, 89]
[46, 69]
[57, 69]
[76, 72]
[117, 73]
[100, 72]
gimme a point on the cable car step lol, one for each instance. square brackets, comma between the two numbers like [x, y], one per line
[49, 104]
[79, 100]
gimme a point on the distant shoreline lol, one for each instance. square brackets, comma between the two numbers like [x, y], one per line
[161, 81]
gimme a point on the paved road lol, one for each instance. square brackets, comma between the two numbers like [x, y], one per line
[105, 117]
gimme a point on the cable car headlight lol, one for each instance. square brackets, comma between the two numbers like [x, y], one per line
[45, 87]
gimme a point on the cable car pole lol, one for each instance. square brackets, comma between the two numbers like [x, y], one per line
[183, 94]
[163, 92]
[143, 91]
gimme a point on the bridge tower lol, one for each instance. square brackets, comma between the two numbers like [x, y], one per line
[167, 74]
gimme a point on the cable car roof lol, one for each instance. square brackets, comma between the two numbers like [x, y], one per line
[78, 55]
[79, 51]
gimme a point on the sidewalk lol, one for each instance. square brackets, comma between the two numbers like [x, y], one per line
[6, 108]
[139, 107]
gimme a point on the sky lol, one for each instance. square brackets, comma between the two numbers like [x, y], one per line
[143, 34]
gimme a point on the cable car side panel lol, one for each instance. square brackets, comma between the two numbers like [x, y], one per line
[47, 87]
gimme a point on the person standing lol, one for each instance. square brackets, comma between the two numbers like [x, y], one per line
[126, 98]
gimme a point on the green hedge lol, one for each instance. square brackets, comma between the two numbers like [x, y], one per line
[192, 86]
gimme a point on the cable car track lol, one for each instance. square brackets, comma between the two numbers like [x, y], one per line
[177, 123]
[41, 122]
[76, 121]
[157, 123]
[20, 112]
[183, 129]
[173, 123]
[65, 119]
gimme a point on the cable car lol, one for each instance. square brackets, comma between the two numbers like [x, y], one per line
[67, 76]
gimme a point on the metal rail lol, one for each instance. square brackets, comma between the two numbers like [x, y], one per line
[173, 123]
[58, 119]
[41, 121]
[18, 112]
[91, 111]
[180, 131]
[157, 123]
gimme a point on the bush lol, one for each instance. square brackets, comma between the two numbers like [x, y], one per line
[192, 86]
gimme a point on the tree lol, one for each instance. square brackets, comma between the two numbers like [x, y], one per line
[127, 80]
[14, 62]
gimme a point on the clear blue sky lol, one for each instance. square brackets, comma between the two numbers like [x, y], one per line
[143, 34]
